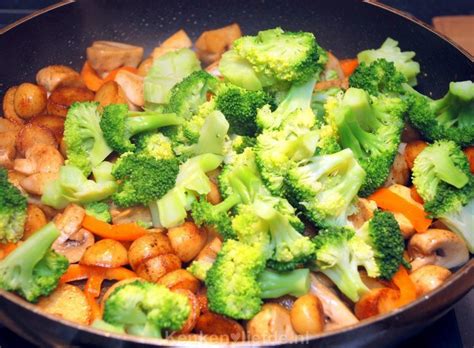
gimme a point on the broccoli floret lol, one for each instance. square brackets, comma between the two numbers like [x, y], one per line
[154, 145]
[382, 233]
[216, 216]
[33, 269]
[199, 268]
[102, 325]
[283, 56]
[191, 182]
[74, 187]
[146, 309]
[99, 210]
[442, 177]
[167, 71]
[325, 187]
[338, 254]
[378, 77]
[239, 71]
[241, 142]
[189, 94]
[12, 210]
[391, 52]
[143, 179]
[276, 284]
[240, 107]
[118, 125]
[448, 118]
[372, 130]
[460, 222]
[319, 99]
[85, 143]
[232, 287]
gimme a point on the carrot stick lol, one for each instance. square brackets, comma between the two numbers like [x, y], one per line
[79, 272]
[94, 283]
[414, 194]
[469, 151]
[75, 272]
[90, 77]
[119, 273]
[403, 282]
[122, 232]
[111, 75]
[348, 66]
[390, 201]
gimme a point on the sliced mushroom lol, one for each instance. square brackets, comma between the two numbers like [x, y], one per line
[428, 278]
[75, 247]
[176, 41]
[105, 56]
[106, 253]
[132, 85]
[365, 211]
[214, 324]
[54, 76]
[35, 183]
[437, 247]
[336, 312]
[35, 219]
[272, 323]
[39, 159]
[54, 123]
[63, 97]
[110, 93]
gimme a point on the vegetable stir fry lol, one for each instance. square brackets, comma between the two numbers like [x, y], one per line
[252, 188]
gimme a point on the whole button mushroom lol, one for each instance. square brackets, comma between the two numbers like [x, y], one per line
[428, 278]
[29, 100]
[54, 76]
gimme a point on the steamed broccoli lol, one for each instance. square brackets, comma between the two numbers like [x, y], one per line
[33, 269]
[143, 179]
[319, 99]
[99, 210]
[378, 77]
[166, 72]
[371, 128]
[390, 51]
[442, 177]
[12, 210]
[449, 118]
[74, 187]
[154, 145]
[460, 222]
[118, 125]
[85, 142]
[191, 182]
[276, 284]
[240, 107]
[232, 287]
[382, 233]
[190, 93]
[338, 254]
[199, 268]
[325, 187]
[146, 309]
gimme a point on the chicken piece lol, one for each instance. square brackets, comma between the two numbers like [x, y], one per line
[213, 43]
[132, 86]
[176, 41]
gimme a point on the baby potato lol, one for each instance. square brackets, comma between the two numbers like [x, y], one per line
[214, 324]
[9, 106]
[307, 316]
[54, 123]
[110, 93]
[105, 253]
[147, 247]
[67, 302]
[187, 240]
[63, 97]
[180, 279]
[31, 135]
[193, 316]
[35, 219]
[53, 76]
[29, 100]
[155, 268]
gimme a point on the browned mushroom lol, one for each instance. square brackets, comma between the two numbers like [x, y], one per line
[7, 148]
[29, 100]
[187, 240]
[214, 324]
[429, 277]
[129, 215]
[272, 323]
[53, 76]
[63, 97]
[110, 93]
[104, 56]
[39, 159]
[437, 247]
[105, 253]
[76, 245]
[35, 219]
[9, 106]
[399, 172]
[54, 123]
[307, 315]
[31, 135]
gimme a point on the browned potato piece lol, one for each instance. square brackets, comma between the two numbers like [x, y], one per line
[63, 97]
[155, 268]
[180, 279]
[214, 196]
[145, 66]
[307, 316]
[187, 240]
[67, 302]
[54, 123]
[200, 338]
[214, 324]
[31, 135]
[147, 247]
[212, 43]
[35, 219]
[412, 150]
[8, 126]
[29, 100]
[272, 323]
[193, 314]
[105, 253]
[105, 56]
[9, 106]
[54, 76]
[110, 93]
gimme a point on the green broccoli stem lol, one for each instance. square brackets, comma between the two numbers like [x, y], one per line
[347, 279]
[139, 122]
[245, 183]
[284, 235]
[275, 284]
[447, 170]
[299, 97]
[357, 100]
[227, 204]
[28, 254]
[99, 152]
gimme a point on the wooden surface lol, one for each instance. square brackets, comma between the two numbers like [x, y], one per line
[460, 29]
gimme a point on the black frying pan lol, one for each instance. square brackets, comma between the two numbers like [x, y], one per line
[60, 35]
